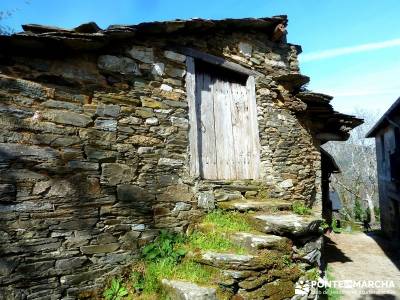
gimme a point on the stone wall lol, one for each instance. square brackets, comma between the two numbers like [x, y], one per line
[94, 156]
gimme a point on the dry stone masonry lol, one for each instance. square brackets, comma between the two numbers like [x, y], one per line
[94, 147]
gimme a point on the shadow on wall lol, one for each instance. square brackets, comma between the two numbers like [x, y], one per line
[60, 226]
[390, 247]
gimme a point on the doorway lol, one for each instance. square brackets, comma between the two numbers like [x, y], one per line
[225, 123]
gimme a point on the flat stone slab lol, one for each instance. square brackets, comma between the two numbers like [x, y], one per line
[231, 261]
[258, 241]
[183, 290]
[287, 224]
[255, 205]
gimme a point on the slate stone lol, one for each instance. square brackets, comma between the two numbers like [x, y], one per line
[151, 103]
[255, 205]
[206, 200]
[142, 54]
[174, 56]
[142, 140]
[106, 124]
[175, 72]
[254, 241]
[110, 110]
[70, 280]
[131, 193]
[169, 162]
[230, 261]
[245, 48]
[105, 248]
[67, 118]
[152, 121]
[180, 122]
[98, 137]
[96, 154]
[82, 165]
[10, 151]
[70, 263]
[7, 266]
[288, 224]
[175, 103]
[130, 121]
[122, 65]
[158, 69]
[114, 173]
[62, 105]
[182, 290]
[166, 87]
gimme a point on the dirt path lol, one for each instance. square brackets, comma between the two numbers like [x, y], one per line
[362, 257]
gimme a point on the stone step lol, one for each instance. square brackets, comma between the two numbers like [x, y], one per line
[183, 290]
[255, 205]
[238, 262]
[252, 241]
[286, 223]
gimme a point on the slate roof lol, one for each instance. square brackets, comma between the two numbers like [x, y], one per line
[90, 36]
[384, 120]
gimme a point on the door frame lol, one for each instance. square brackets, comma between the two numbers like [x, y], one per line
[194, 164]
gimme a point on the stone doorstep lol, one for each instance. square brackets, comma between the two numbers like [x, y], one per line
[287, 223]
[258, 241]
[182, 290]
[255, 205]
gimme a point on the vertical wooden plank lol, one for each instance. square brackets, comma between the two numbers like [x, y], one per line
[222, 97]
[193, 122]
[255, 158]
[247, 132]
[206, 130]
[236, 129]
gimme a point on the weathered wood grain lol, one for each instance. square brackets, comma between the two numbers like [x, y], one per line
[193, 125]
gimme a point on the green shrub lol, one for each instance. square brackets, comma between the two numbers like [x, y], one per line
[299, 207]
[116, 291]
[165, 245]
[335, 228]
[358, 211]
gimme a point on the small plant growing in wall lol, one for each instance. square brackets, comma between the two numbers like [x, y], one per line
[116, 291]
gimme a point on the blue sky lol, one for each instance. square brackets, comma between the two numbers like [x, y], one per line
[365, 74]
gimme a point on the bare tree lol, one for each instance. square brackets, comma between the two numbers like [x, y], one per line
[357, 183]
[5, 14]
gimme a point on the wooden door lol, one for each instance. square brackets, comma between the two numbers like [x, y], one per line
[224, 138]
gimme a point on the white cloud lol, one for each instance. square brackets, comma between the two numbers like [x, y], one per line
[368, 89]
[348, 50]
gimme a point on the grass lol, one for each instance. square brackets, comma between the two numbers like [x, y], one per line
[212, 241]
[161, 259]
[298, 207]
[228, 221]
[149, 278]
[331, 292]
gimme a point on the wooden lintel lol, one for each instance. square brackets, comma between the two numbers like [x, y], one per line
[215, 60]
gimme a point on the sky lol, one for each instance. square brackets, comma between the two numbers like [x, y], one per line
[351, 48]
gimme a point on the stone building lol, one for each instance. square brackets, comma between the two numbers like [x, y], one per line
[387, 140]
[109, 135]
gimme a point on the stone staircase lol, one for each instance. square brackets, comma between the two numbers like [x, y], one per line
[281, 250]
